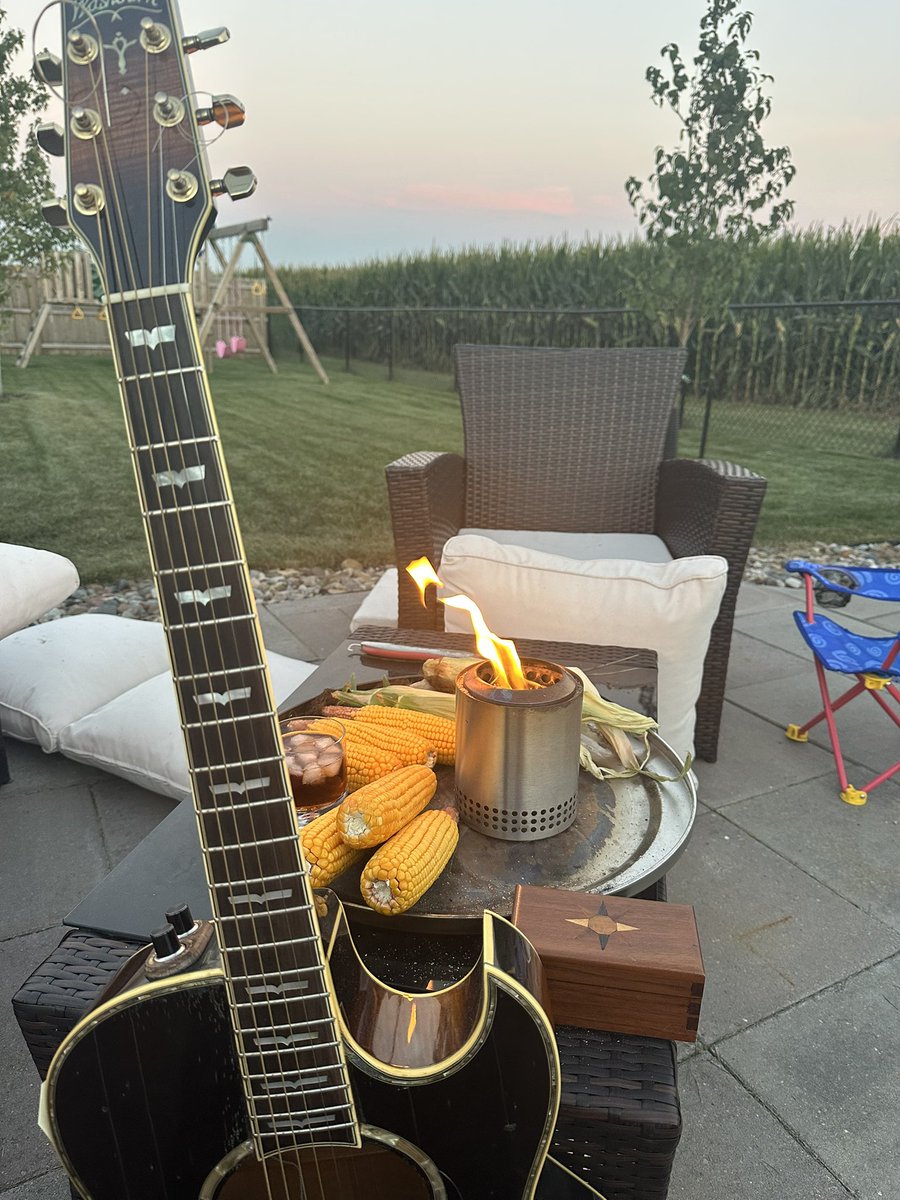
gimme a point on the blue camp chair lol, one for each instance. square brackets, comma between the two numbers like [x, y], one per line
[872, 660]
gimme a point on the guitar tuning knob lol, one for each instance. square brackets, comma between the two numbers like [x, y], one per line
[48, 68]
[51, 139]
[54, 213]
[205, 40]
[223, 110]
[237, 182]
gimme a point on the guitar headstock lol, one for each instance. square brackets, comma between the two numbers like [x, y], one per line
[139, 191]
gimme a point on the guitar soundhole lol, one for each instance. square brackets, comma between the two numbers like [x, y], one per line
[332, 1173]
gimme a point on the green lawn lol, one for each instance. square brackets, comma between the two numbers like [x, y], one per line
[307, 465]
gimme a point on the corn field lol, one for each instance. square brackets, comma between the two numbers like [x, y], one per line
[813, 329]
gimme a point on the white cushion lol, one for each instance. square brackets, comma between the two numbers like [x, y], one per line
[52, 674]
[138, 735]
[31, 582]
[644, 547]
[380, 604]
[667, 607]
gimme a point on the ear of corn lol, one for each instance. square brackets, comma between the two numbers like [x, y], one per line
[401, 871]
[438, 731]
[441, 673]
[377, 811]
[326, 852]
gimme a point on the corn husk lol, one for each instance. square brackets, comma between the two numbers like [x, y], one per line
[614, 741]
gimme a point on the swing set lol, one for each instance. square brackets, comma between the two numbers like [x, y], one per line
[228, 315]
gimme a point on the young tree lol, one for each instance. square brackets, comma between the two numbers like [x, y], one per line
[24, 175]
[721, 185]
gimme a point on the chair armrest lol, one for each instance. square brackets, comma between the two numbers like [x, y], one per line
[705, 506]
[425, 494]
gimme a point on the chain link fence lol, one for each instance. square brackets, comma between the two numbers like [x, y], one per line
[821, 375]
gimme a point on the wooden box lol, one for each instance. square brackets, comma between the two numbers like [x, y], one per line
[628, 966]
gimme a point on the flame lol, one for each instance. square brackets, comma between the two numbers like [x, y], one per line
[501, 653]
[423, 573]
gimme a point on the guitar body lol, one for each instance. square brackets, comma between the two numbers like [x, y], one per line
[455, 1090]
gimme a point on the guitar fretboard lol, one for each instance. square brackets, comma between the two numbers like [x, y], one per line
[282, 1009]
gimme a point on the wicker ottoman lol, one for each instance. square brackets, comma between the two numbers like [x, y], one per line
[619, 1120]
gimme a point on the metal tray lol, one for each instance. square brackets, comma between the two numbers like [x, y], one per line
[626, 836]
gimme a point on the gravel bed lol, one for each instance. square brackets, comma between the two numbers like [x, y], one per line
[137, 598]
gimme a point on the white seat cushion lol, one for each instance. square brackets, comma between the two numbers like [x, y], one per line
[669, 607]
[138, 735]
[31, 582]
[380, 604]
[52, 674]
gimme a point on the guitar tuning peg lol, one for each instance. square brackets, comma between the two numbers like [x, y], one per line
[54, 213]
[237, 182]
[205, 40]
[48, 68]
[226, 111]
[51, 139]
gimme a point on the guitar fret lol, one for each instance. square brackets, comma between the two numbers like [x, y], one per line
[264, 915]
[240, 764]
[213, 621]
[254, 879]
[296, 941]
[251, 667]
[159, 374]
[267, 1029]
[186, 508]
[281, 974]
[292, 1093]
[244, 805]
[176, 443]
[250, 845]
[205, 567]
[295, 1071]
[218, 717]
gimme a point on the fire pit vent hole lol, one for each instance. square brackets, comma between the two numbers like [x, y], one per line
[512, 821]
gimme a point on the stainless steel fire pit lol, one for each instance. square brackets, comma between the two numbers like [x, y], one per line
[517, 751]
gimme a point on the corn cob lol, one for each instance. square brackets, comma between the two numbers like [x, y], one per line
[438, 731]
[325, 851]
[377, 811]
[401, 871]
[410, 747]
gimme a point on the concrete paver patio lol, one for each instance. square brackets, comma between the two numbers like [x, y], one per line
[791, 1091]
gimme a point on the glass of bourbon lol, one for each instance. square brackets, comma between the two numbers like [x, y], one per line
[315, 763]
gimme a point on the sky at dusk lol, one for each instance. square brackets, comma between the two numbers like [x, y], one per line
[380, 128]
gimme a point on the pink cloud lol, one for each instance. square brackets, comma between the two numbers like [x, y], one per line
[553, 201]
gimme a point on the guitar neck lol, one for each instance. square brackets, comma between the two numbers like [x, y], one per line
[261, 900]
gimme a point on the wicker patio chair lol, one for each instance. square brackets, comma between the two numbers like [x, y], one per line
[575, 441]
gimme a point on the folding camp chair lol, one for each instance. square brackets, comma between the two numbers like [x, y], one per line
[872, 660]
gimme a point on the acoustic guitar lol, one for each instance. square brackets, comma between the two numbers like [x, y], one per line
[280, 1069]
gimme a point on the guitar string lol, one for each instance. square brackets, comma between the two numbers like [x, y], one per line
[227, 945]
[125, 231]
[273, 731]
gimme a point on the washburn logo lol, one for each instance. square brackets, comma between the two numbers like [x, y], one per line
[100, 8]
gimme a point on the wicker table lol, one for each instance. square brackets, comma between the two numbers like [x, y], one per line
[620, 1119]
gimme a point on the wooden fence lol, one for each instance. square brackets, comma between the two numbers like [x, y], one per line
[65, 302]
